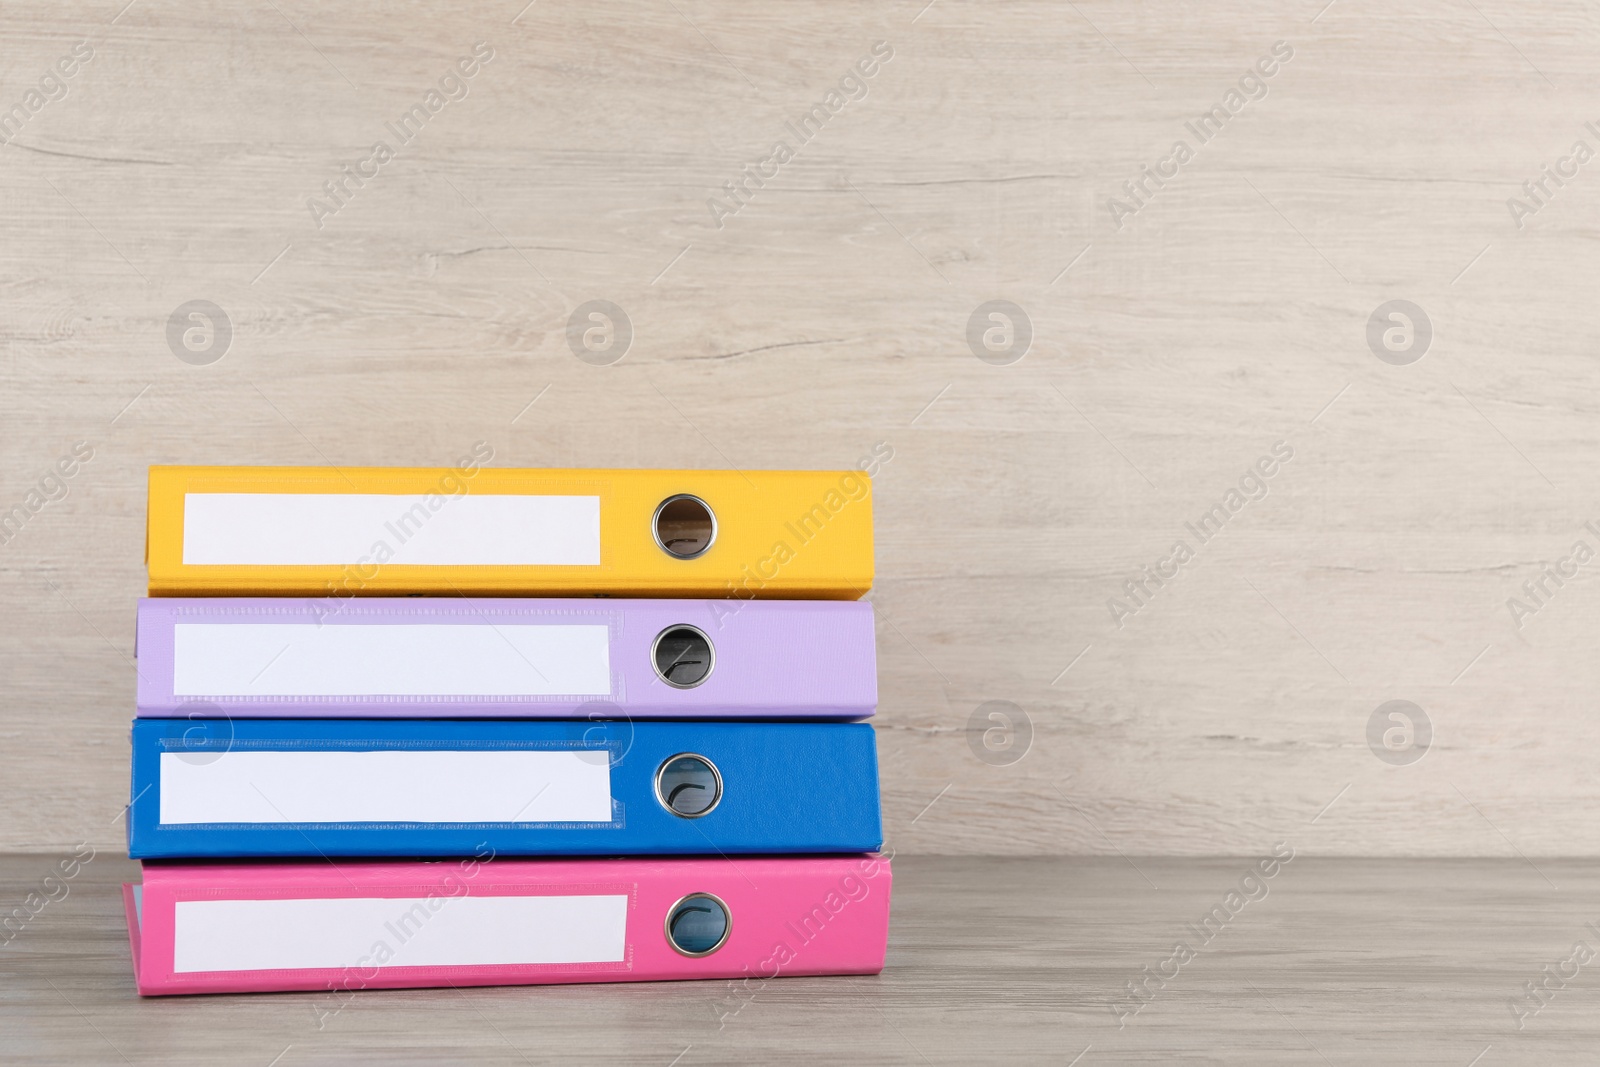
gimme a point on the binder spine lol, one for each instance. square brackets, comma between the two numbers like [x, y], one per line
[481, 531]
[211, 929]
[210, 788]
[505, 658]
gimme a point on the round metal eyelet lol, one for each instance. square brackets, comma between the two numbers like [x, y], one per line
[684, 526]
[688, 785]
[683, 656]
[697, 925]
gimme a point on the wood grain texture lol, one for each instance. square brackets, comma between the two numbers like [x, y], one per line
[1014, 960]
[830, 313]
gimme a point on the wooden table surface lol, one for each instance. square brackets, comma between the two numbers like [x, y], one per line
[1019, 960]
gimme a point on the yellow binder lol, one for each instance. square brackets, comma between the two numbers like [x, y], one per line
[486, 531]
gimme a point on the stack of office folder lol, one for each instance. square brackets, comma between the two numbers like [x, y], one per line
[479, 726]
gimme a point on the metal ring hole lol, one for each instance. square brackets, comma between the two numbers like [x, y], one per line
[698, 925]
[688, 785]
[684, 526]
[683, 656]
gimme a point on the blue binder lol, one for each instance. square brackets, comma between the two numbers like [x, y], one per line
[215, 788]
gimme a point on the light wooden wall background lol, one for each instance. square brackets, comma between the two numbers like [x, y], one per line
[830, 314]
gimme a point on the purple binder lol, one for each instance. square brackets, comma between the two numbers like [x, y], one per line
[444, 657]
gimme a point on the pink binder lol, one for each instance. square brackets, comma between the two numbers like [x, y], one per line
[256, 927]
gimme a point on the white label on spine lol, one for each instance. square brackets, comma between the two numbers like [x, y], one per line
[405, 786]
[370, 530]
[416, 931]
[504, 659]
